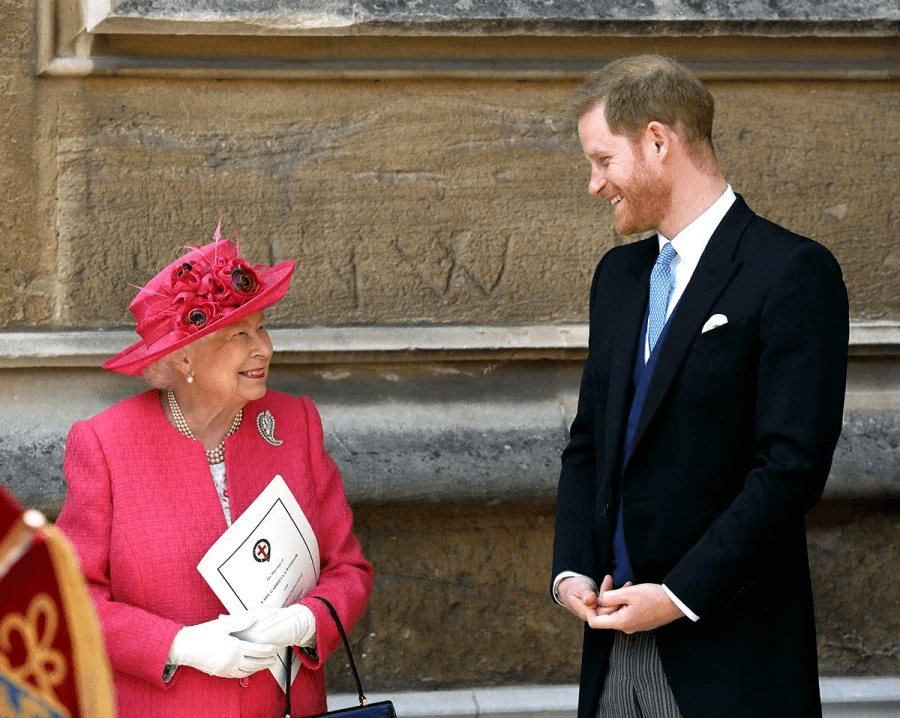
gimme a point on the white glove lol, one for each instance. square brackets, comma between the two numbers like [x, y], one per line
[210, 647]
[292, 625]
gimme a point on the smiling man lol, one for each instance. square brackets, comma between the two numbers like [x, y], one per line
[709, 409]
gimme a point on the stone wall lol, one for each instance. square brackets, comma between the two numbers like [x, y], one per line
[404, 202]
[421, 174]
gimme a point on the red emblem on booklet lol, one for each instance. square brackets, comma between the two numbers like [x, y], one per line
[262, 551]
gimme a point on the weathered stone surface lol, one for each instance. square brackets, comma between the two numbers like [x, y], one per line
[27, 253]
[418, 202]
[867, 459]
[415, 434]
[792, 180]
[33, 472]
[854, 558]
[427, 230]
[461, 599]
[448, 434]
[410, 16]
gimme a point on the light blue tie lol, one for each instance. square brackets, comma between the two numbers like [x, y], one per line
[662, 282]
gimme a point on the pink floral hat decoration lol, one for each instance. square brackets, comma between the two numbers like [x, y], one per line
[208, 288]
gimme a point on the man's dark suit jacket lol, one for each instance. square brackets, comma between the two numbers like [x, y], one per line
[733, 447]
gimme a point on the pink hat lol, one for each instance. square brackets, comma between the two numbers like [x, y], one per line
[198, 294]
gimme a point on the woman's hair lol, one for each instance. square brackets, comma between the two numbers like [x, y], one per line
[646, 88]
[162, 373]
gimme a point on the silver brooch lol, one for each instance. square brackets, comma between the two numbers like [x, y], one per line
[265, 422]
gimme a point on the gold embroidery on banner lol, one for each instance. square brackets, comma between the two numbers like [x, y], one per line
[44, 666]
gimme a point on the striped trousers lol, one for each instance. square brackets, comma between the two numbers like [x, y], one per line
[636, 686]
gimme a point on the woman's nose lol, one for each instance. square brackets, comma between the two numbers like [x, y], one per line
[263, 345]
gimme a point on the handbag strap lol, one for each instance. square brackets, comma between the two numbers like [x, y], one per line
[340, 627]
[287, 683]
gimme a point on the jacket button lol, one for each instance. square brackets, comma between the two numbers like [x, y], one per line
[607, 510]
[244, 682]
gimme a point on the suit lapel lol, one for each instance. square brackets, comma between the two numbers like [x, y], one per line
[633, 294]
[716, 268]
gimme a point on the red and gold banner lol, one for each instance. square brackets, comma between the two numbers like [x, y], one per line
[52, 660]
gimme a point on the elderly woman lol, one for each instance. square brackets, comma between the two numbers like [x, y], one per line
[156, 479]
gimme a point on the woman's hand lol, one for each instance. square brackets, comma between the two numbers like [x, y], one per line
[292, 625]
[210, 647]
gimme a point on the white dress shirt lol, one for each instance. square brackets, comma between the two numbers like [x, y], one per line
[689, 243]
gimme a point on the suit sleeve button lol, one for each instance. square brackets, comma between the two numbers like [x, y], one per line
[607, 510]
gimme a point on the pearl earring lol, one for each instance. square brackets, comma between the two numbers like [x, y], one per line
[190, 378]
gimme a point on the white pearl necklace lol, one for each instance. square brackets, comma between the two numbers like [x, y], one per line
[213, 456]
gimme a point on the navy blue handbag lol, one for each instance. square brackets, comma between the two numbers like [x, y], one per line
[382, 709]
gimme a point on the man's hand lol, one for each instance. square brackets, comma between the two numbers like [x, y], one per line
[579, 596]
[633, 608]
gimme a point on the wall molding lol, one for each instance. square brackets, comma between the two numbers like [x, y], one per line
[416, 416]
[886, 69]
[314, 345]
[445, 39]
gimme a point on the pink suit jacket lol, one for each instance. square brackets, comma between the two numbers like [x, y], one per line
[142, 510]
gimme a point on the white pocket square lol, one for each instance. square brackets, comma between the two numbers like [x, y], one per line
[716, 320]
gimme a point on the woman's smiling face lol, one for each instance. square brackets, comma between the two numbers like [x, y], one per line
[230, 366]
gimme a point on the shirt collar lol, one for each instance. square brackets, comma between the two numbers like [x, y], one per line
[692, 240]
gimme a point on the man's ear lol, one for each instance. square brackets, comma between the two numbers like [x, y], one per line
[658, 139]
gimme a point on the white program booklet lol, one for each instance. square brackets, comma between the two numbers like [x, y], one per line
[269, 557]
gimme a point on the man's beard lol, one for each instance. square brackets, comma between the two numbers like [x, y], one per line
[647, 201]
